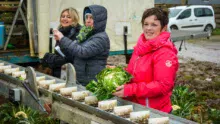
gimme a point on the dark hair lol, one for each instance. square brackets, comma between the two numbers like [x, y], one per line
[161, 15]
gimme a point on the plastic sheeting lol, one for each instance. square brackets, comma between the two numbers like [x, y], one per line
[120, 13]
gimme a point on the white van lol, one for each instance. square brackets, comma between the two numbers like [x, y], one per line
[193, 17]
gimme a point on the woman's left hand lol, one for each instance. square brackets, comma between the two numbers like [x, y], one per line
[57, 35]
[119, 91]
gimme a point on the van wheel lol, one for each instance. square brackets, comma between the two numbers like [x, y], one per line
[208, 29]
[173, 27]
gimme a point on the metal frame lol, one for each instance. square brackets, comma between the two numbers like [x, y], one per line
[80, 109]
[34, 16]
[14, 21]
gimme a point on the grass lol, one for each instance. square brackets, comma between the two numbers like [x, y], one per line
[216, 31]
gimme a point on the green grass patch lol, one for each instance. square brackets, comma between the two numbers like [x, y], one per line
[216, 31]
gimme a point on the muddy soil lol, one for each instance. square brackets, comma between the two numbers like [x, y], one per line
[2, 99]
[204, 78]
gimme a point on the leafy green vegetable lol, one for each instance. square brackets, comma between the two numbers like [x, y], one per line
[84, 33]
[20, 114]
[107, 81]
[184, 99]
[214, 115]
[20, 78]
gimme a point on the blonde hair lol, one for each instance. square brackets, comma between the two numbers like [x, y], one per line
[73, 14]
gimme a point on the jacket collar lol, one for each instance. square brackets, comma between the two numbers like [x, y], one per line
[145, 46]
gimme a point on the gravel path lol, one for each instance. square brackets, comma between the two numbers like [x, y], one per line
[200, 50]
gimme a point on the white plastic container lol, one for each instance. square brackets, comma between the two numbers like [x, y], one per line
[107, 105]
[67, 91]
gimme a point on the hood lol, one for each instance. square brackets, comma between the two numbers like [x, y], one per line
[145, 46]
[99, 14]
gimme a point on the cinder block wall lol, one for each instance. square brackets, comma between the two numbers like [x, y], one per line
[217, 15]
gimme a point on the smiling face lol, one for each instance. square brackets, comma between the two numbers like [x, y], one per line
[65, 19]
[152, 27]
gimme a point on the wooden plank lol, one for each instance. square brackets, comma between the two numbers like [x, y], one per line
[217, 21]
[16, 2]
[217, 9]
[217, 12]
[8, 8]
[217, 16]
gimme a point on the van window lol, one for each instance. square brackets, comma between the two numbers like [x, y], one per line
[203, 12]
[185, 14]
[208, 12]
[174, 12]
[198, 12]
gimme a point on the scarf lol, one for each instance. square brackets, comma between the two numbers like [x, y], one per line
[65, 30]
[144, 46]
[84, 34]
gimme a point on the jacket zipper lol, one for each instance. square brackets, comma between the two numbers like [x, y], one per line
[135, 64]
[147, 103]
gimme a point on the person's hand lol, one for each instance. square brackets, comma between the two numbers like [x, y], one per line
[44, 60]
[110, 66]
[47, 107]
[57, 35]
[119, 91]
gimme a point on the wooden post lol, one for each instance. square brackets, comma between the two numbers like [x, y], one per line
[184, 2]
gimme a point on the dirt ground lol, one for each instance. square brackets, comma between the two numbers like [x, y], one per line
[2, 99]
[201, 49]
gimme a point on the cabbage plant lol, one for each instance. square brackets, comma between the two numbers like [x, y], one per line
[107, 82]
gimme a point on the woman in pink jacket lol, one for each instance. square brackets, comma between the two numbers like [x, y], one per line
[153, 64]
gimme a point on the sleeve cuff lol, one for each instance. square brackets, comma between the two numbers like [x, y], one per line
[128, 90]
[65, 42]
[61, 40]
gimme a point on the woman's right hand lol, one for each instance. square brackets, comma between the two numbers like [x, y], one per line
[57, 35]
[119, 91]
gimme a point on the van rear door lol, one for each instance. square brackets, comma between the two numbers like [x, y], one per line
[200, 19]
[203, 16]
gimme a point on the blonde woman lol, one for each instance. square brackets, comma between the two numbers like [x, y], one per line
[91, 49]
[70, 27]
